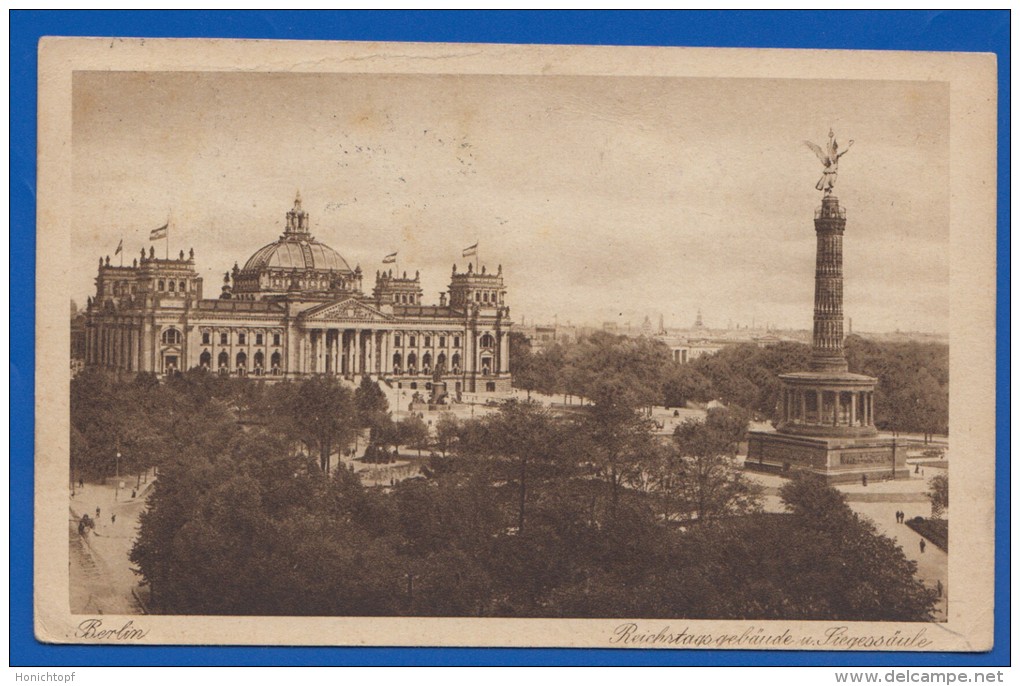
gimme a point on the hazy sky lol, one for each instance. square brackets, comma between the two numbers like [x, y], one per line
[604, 198]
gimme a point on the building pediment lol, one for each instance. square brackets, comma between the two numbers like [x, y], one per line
[344, 311]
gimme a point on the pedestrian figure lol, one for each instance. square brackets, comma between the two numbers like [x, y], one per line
[864, 479]
[917, 468]
[97, 512]
[938, 587]
[897, 516]
[113, 519]
[133, 493]
[81, 483]
[922, 545]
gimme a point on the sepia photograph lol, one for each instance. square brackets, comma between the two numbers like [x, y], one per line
[379, 344]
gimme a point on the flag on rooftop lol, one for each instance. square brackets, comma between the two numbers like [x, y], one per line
[471, 250]
[390, 259]
[159, 233]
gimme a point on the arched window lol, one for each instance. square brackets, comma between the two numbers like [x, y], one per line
[260, 360]
[455, 363]
[162, 285]
[397, 359]
[223, 360]
[183, 287]
[485, 297]
[441, 361]
[412, 362]
[173, 286]
[242, 360]
[426, 363]
[171, 337]
[275, 362]
[488, 341]
[205, 360]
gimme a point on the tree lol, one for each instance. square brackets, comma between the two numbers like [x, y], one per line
[705, 481]
[684, 383]
[854, 573]
[619, 436]
[447, 432]
[938, 495]
[370, 402]
[524, 366]
[319, 412]
[525, 437]
[414, 433]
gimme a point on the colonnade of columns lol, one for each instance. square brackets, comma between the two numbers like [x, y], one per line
[828, 407]
[116, 345]
[343, 352]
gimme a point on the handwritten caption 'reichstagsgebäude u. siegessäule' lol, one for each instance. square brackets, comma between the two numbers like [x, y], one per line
[632, 634]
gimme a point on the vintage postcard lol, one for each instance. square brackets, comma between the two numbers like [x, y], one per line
[501, 345]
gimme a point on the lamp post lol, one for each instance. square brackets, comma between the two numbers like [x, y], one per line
[116, 488]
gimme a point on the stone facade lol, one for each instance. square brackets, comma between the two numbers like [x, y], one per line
[297, 309]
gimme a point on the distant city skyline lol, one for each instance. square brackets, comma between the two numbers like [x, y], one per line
[604, 198]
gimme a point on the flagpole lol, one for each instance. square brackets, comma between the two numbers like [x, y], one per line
[121, 251]
[168, 235]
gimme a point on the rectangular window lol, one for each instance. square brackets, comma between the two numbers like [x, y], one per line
[258, 339]
[396, 340]
[456, 341]
[442, 341]
[276, 339]
[206, 339]
[412, 342]
[241, 339]
[223, 339]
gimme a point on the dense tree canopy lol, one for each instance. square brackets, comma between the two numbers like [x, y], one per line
[912, 393]
[527, 511]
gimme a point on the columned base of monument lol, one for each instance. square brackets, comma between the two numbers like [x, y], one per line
[836, 459]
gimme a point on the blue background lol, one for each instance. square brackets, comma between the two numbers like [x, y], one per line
[921, 30]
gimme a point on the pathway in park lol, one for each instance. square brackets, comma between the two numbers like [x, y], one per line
[100, 573]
